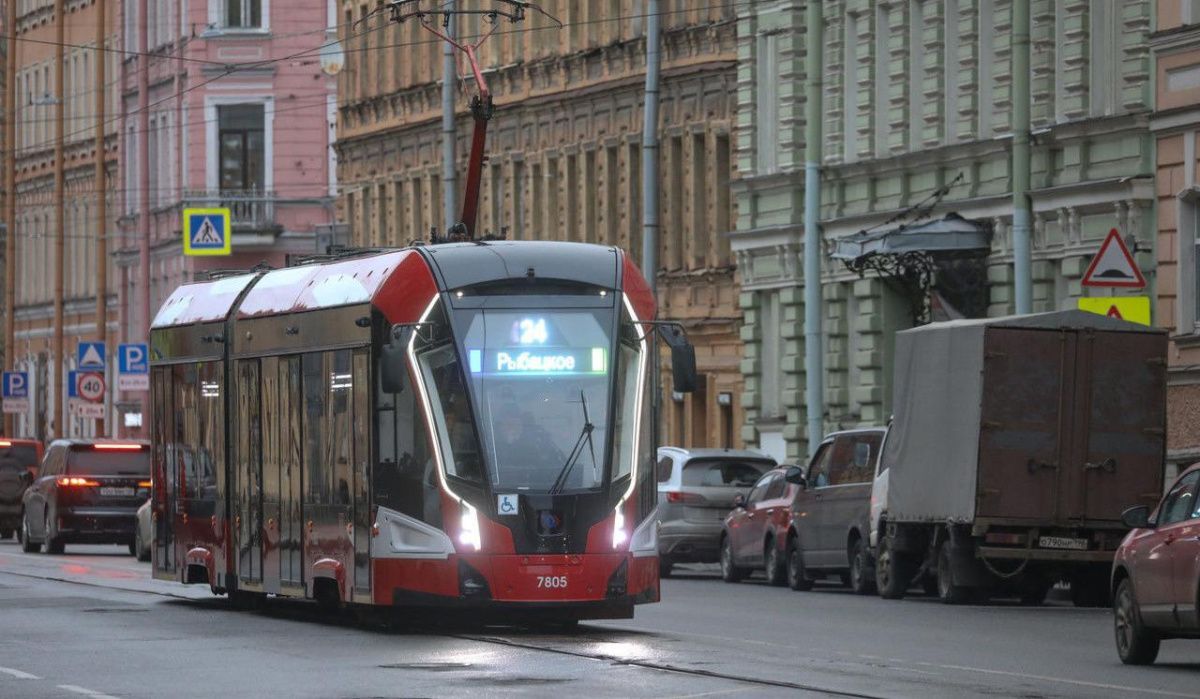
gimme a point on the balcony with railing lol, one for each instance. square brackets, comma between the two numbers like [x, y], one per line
[249, 210]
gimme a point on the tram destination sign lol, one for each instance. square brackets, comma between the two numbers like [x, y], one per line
[543, 361]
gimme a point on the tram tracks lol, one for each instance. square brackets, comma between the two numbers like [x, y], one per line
[668, 667]
[301, 611]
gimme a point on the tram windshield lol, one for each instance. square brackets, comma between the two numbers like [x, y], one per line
[540, 384]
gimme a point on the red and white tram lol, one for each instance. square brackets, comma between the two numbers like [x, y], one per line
[468, 424]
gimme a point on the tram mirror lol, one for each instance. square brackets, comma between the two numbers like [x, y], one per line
[683, 367]
[683, 358]
[391, 359]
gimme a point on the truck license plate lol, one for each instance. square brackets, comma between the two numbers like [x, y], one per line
[118, 492]
[1062, 542]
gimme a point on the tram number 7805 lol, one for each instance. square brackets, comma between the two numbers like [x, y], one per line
[556, 582]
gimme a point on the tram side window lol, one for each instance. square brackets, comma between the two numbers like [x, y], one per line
[341, 383]
[404, 477]
[317, 472]
[210, 456]
[185, 432]
[161, 428]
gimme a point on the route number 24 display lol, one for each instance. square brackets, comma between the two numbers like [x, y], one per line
[556, 582]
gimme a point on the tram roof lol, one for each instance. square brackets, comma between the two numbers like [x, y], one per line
[464, 264]
[201, 302]
[311, 287]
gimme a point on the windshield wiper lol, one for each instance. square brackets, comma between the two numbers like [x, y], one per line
[585, 437]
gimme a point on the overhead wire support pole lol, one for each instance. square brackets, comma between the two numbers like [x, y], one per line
[449, 130]
[10, 201]
[1022, 214]
[143, 156]
[101, 194]
[814, 368]
[482, 106]
[650, 149]
[60, 181]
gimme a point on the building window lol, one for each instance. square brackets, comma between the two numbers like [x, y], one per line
[242, 147]
[1189, 259]
[768, 103]
[881, 81]
[771, 382]
[916, 72]
[950, 72]
[1106, 57]
[850, 89]
[1189, 12]
[243, 14]
[986, 77]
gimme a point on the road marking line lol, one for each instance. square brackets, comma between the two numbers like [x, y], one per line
[85, 691]
[1063, 680]
[18, 674]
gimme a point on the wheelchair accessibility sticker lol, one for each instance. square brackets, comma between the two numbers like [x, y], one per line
[507, 504]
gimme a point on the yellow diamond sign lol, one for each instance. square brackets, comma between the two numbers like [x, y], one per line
[1135, 309]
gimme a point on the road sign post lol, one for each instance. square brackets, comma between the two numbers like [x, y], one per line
[133, 367]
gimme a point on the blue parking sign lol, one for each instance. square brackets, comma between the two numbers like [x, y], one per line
[16, 392]
[133, 359]
[16, 384]
[133, 367]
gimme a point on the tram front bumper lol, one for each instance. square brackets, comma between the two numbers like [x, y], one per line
[606, 583]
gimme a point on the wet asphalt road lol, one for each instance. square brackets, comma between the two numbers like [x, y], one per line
[91, 623]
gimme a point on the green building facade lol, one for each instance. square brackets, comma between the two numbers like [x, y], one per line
[917, 97]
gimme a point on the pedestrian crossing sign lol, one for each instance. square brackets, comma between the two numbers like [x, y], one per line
[206, 232]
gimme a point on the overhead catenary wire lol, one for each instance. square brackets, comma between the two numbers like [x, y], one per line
[231, 68]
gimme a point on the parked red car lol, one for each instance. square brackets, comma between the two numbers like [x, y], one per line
[1156, 573]
[753, 529]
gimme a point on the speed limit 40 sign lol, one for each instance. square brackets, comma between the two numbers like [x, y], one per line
[91, 387]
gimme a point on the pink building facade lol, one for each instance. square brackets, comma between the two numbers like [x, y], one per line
[238, 112]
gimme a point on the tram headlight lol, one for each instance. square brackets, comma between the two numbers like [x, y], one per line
[620, 536]
[468, 534]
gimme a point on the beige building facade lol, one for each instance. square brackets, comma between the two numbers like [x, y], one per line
[1176, 124]
[564, 157]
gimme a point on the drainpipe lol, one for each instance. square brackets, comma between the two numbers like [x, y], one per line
[1020, 159]
[814, 366]
[650, 151]
[449, 133]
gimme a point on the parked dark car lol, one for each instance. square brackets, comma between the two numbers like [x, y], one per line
[830, 514]
[753, 532]
[19, 459]
[695, 492]
[1156, 573]
[88, 491]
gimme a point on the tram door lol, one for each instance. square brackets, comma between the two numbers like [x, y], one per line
[272, 432]
[362, 473]
[247, 490]
[291, 511]
[163, 454]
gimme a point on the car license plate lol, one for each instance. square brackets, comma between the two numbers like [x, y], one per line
[117, 492]
[1062, 542]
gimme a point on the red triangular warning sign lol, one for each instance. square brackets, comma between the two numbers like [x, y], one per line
[1113, 266]
[1114, 312]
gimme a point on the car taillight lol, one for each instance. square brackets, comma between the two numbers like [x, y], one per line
[675, 496]
[118, 447]
[76, 482]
